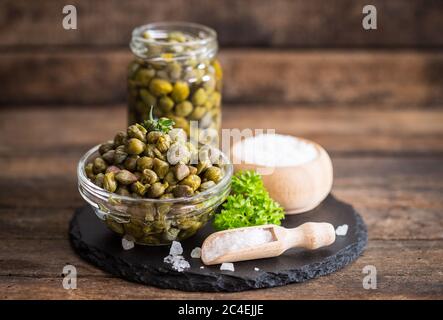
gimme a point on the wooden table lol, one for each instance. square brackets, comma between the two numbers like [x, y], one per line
[388, 164]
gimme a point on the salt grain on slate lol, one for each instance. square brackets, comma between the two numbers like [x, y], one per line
[175, 258]
[196, 253]
[127, 244]
[227, 266]
[341, 230]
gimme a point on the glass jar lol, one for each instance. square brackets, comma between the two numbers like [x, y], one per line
[176, 71]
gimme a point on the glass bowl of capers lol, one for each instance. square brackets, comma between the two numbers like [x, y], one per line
[151, 185]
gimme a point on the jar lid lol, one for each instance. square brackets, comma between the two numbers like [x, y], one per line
[170, 41]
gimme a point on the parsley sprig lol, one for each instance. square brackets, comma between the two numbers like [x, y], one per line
[161, 124]
[248, 205]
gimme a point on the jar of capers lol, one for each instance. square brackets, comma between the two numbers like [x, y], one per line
[175, 70]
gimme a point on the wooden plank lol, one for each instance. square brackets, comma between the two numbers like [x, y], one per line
[390, 79]
[405, 269]
[342, 131]
[277, 23]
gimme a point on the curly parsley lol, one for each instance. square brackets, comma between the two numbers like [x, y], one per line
[162, 124]
[248, 205]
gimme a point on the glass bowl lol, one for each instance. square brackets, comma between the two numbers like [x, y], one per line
[153, 221]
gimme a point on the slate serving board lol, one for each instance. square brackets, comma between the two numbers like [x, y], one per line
[93, 241]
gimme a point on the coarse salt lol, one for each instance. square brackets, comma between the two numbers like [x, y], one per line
[237, 240]
[127, 244]
[256, 269]
[228, 266]
[275, 150]
[175, 257]
[196, 253]
[341, 230]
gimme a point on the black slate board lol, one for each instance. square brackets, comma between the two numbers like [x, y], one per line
[93, 241]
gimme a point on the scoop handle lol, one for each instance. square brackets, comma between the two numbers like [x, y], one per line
[310, 235]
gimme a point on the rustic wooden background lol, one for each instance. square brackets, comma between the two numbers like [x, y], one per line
[372, 98]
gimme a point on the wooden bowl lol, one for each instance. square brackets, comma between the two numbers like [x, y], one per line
[297, 188]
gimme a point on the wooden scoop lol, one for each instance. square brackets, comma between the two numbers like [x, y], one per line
[310, 235]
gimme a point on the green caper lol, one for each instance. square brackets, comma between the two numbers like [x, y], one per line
[109, 156]
[143, 76]
[99, 165]
[207, 185]
[139, 188]
[123, 191]
[176, 36]
[147, 98]
[156, 190]
[203, 165]
[178, 153]
[166, 104]
[109, 182]
[105, 147]
[144, 163]
[149, 176]
[131, 162]
[160, 167]
[177, 135]
[214, 174]
[181, 171]
[181, 191]
[113, 169]
[192, 180]
[183, 109]
[125, 177]
[153, 136]
[192, 170]
[135, 146]
[198, 113]
[120, 154]
[180, 92]
[137, 131]
[170, 178]
[149, 151]
[160, 87]
[199, 97]
[99, 180]
[89, 170]
[120, 138]
[163, 143]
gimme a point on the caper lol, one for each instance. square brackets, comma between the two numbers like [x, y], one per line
[144, 163]
[99, 165]
[163, 143]
[207, 185]
[89, 170]
[160, 87]
[120, 154]
[139, 188]
[181, 171]
[198, 113]
[181, 191]
[157, 189]
[180, 92]
[131, 162]
[123, 191]
[105, 147]
[114, 169]
[149, 176]
[120, 138]
[166, 104]
[178, 153]
[109, 156]
[214, 174]
[137, 131]
[170, 178]
[192, 170]
[176, 36]
[153, 136]
[192, 180]
[147, 98]
[135, 146]
[125, 177]
[183, 109]
[203, 165]
[160, 167]
[199, 97]
[109, 182]
[99, 180]
[177, 135]
[174, 71]
[143, 76]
